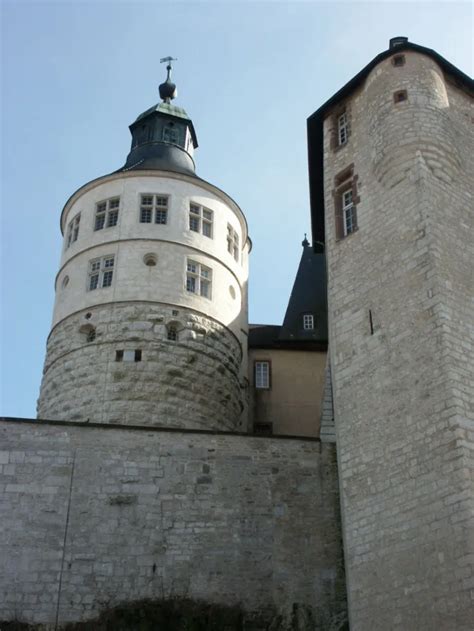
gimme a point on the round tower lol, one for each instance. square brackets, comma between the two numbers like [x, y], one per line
[150, 318]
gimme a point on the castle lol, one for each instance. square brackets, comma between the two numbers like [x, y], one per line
[181, 454]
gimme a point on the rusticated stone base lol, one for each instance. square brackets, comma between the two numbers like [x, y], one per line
[192, 382]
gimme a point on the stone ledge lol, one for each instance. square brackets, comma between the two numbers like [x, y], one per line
[150, 428]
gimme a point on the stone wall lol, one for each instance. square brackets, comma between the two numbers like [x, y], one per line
[192, 382]
[400, 313]
[96, 516]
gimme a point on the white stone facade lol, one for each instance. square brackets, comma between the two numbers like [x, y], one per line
[401, 327]
[140, 302]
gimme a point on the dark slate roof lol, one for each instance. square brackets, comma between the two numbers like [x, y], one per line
[315, 127]
[308, 296]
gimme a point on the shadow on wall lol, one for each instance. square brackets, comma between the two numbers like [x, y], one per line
[189, 615]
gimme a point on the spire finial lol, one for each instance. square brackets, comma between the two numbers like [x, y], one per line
[167, 89]
[305, 241]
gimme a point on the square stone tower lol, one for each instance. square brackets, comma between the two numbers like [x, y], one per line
[390, 158]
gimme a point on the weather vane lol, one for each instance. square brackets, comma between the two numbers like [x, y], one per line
[169, 60]
[168, 89]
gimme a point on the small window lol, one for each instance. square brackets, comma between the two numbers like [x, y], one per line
[345, 202]
[200, 220]
[171, 133]
[172, 333]
[128, 356]
[342, 128]
[101, 272]
[154, 209]
[348, 212]
[398, 60]
[73, 230]
[90, 337]
[106, 213]
[399, 96]
[198, 279]
[308, 322]
[65, 282]
[233, 242]
[262, 375]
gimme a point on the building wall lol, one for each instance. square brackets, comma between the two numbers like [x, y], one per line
[96, 516]
[403, 391]
[200, 380]
[293, 403]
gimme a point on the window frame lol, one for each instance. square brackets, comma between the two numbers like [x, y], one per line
[202, 218]
[72, 232]
[108, 216]
[308, 318]
[233, 242]
[342, 129]
[345, 182]
[155, 209]
[266, 384]
[198, 280]
[101, 269]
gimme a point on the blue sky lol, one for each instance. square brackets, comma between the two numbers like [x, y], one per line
[76, 74]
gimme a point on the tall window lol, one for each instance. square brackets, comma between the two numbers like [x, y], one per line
[73, 230]
[106, 213]
[101, 272]
[262, 375]
[232, 242]
[346, 199]
[348, 212]
[198, 279]
[200, 220]
[342, 129]
[308, 321]
[154, 209]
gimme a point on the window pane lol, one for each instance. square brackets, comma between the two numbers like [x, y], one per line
[162, 201]
[145, 215]
[147, 200]
[107, 279]
[109, 262]
[161, 216]
[194, 224]
[94, 281]
[112, 219]
[192, 267]
[205, 288]
[195, 209]
[206, 229]
[191, 284]
[114, 203]
[99, 222]
[207, 214]
[95, 265]
[101, 208]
